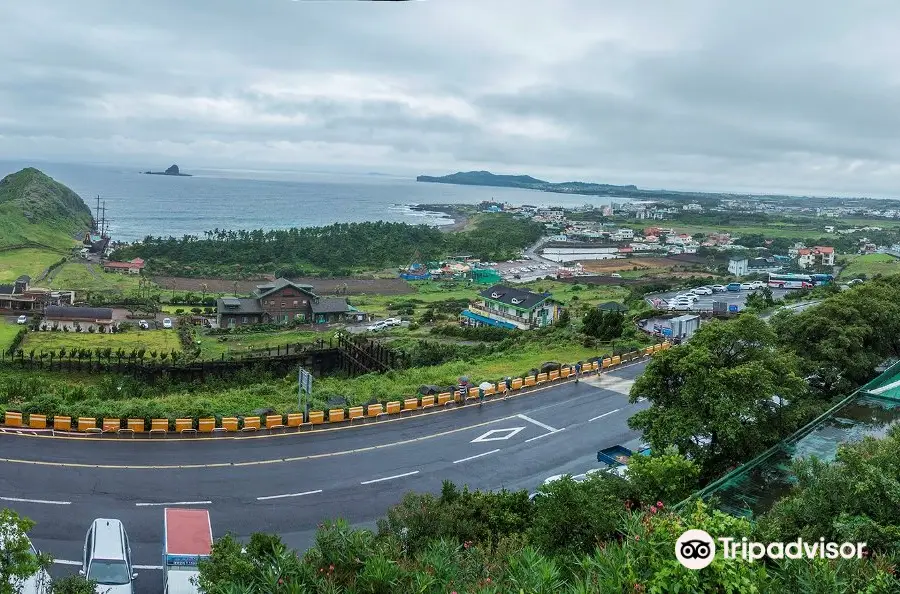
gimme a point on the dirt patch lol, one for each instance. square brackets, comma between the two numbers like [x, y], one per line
[322, 286]
[618, 264]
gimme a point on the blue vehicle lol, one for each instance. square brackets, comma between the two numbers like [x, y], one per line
[733, 287]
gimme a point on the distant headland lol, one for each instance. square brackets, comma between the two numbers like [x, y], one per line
[173, 170]
[486, 178]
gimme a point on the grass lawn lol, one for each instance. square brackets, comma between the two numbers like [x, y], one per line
[870, 265]
[8, 331]
[152, 340]
[83, 276]
[30, 261]
[212, 347]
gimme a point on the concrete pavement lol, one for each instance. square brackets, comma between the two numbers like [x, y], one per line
[289, 484]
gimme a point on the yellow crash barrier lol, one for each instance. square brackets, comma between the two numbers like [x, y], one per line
[392, 407]
[111, 425]
[87, 424]
[517, 384]
[294, 419]
[37, 421]
[529, 381]
[251, 424]
[411, 404]
[554, 375]
[62, 423]
[136, 425]
[206, 424]
[159, 425]
[316, 417]
[473, 393]
[541, 378]
[335, 415]
[427, 401]
[616, 360]
[230, 423]
[182, 425]
[373, 410]
[355, 412]
[13, 419]
[444, 398]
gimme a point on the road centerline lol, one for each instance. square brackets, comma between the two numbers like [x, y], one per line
[538, 423]
[268, 497]
[476, 456]
[388, 478]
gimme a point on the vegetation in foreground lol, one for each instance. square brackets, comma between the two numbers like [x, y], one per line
[606, 534]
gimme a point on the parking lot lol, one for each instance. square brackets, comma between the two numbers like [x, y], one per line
[704, 302]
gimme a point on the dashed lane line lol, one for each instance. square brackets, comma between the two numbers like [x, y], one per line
[538, 423]
[606, 414]
[268, 497]
[554, 432]
[389, 478]
[43, 501]
[476, 456]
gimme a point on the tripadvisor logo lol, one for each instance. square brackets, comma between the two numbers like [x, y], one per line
[696, 549]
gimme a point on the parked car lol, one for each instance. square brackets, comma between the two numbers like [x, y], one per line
[380, 325]
[143, 325]
[616, 275]
[681, 306]
[719, 288]
[687, 296]
[733, 287]
[167, 322]
[758, 284]
[23, 319]
[702, 291]
[107, 557]
[747, 287]
[393, 322]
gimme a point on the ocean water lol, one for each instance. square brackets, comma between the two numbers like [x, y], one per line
[139, 205]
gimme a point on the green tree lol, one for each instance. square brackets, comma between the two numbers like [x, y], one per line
[73, 584]
[18, 561]
[721, 397]
[603, 325]
[666, 477]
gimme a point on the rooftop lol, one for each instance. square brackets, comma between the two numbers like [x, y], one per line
[515, 297]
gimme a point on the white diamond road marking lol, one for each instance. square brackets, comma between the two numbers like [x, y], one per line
[495, 434]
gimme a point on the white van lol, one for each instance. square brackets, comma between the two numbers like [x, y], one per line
[107, 557]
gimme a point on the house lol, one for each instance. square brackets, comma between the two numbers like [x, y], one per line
[281, 302]
[623, 235]
[739, 266]
[65, 315]
[816, 256]
[764, 265]
[135, 266]
[692, 207]
[21, 297]
[506, 307]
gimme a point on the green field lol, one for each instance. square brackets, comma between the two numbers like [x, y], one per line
[870, 265]
[8, 331]
[79, 275]
[152, 340]
[30, 261]
[213, 346]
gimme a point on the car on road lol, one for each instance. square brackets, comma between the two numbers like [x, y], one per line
[718, 288]
[143, 325]
[616, 275]
[23, 319]
[167, 323]
[747, 287]
[702, 291]
[758, 284]
[681, 306]
[377, 326]
[393, 322]
[107, 557]
[687, 296]
[733, 287]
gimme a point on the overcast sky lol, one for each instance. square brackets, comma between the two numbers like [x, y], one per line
[766, 95]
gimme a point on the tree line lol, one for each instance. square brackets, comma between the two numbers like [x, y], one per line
[336, 249]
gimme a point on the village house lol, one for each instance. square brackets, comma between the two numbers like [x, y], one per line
[281, 302]
[64, 315]
[506, 307]
[135, 266]
[21, 297]
[816, 256]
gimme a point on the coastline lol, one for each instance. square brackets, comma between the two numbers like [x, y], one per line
[460, 218]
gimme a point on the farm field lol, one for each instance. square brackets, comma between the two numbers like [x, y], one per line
[321, 286]
[870, 265]
[151, 340]
[30, 261]
[8, 331]
[214, 347]
[84, 276]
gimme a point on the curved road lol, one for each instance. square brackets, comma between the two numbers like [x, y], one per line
[290, 483]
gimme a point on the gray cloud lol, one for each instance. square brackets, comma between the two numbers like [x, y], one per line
[711, 94]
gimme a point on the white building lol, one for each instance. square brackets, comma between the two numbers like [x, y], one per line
[623, 235]
[692, 207]
[738, 266]
[575, 254]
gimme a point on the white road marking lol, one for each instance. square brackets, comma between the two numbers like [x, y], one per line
[496, 433]
[18, 500]
[387, 478]
[545, 434]
[174, 503]
[78, 563]
[288, 495]
[604, 415]
[476, 456]
[538, 423]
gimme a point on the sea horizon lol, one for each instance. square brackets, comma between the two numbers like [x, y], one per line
[138, 205]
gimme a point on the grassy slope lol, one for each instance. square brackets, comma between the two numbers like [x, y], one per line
[36, 209]
[79, 275]
[8, 331]
[870, 264]
[30, 261]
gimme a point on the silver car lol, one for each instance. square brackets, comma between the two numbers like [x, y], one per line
[107, 557]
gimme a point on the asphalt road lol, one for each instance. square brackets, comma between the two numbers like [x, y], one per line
[288, 484]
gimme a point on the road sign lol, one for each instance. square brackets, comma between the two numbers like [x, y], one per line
[304, 382]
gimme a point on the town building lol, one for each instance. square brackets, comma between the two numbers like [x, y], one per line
[623, 235]
[66, 315]
[692, 207]
[739, 266]
[816, 256]
[505, 307]
[135, 266]
[21, 297]
[281, 302]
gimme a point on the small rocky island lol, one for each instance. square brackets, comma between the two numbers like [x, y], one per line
[173, 170]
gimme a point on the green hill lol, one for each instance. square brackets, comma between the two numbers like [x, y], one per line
[35, 209]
